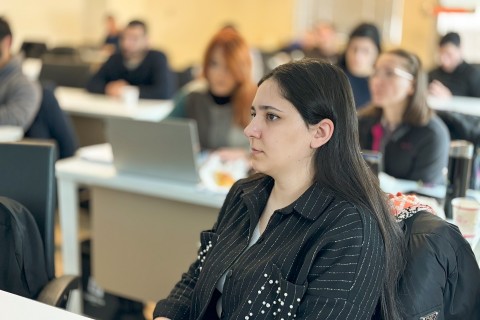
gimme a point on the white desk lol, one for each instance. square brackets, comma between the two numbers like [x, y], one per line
[129, 212]
[13, 307]
[80, 102]
[465, 105]
[88, 112]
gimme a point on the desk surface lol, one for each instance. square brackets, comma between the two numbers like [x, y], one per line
[465, 105]
[13, 307]
[105, 175]
[80, 102]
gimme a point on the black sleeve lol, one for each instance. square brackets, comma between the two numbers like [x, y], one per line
[463, 286]
[432, 155]
[163, 84]
[177, 304]
[98, 82]
[474, 83]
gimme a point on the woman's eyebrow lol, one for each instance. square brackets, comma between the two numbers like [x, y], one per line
[266, 108]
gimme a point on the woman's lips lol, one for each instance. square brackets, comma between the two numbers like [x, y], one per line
[255, 151]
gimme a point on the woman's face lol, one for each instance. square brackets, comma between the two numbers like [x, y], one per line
[360, 56]
[221, 80]
[390, 83]
[279, 138]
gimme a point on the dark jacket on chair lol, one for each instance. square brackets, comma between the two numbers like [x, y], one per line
[442, 278]
[22, 259]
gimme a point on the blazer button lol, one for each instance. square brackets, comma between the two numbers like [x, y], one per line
[229, 273]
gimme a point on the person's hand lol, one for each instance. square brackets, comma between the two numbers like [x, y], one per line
[437, 89]
[115, 88]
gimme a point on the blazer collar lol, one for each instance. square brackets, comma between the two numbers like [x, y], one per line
[310, 205]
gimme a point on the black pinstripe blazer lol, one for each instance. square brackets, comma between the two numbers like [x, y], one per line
[319, 258]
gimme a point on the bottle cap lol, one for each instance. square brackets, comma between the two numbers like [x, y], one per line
[461, 149]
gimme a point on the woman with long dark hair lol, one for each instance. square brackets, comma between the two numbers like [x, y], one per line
[309, 236]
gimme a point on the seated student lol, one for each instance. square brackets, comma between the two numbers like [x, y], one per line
[454, 76]
[357, 61]
[111, 43]
[19, 97]
[441, 279]
[221, 101]
[413, 140]
[310, 237]
[135, 65]
[319, 42]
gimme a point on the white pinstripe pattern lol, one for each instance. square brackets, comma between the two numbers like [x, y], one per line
[319, 258]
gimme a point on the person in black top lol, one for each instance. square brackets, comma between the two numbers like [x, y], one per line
[454, 76]
[363, 48]
[111, 42]
[135, 65]
[398, 123]
[308, 237]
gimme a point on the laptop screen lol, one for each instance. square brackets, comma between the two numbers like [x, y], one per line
[166, 149]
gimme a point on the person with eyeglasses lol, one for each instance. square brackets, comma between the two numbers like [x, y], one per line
[398, 122]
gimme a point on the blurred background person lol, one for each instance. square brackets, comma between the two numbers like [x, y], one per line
[19, 97]
[453, 76]
[363, 48]
[111, 43]
[220, 102]
[318, 42]
[398, 122]
[135, 65]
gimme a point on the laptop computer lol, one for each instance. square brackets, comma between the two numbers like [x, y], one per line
[168, 149]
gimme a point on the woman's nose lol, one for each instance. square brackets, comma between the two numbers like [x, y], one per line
[252, 129]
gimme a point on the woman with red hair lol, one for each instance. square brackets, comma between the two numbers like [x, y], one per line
[220, 102]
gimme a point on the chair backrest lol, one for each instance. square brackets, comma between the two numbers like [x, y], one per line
[27, 175]
[33, 49]
[68, 74]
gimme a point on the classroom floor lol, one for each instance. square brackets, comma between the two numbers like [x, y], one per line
[84, 233]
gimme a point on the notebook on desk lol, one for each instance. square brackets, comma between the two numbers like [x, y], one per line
[167, 149]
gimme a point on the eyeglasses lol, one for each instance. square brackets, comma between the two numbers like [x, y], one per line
[392, 73]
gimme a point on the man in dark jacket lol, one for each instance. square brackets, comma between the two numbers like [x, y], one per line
[454, 76]
[135, 65]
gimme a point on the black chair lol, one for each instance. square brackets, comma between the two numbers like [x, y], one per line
[51, 123]
[27, 175]
[68, 74]
[31, 49]
[62, 54]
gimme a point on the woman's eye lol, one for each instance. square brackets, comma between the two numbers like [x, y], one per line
[252, 114]
[272, 117]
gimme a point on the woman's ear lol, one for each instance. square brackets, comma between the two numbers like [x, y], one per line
[322, 132]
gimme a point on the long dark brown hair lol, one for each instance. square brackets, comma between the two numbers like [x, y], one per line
[417, 112]
[319, 90]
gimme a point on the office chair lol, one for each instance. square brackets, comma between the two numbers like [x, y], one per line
[27, 175]
[33, 49]
[68, 74]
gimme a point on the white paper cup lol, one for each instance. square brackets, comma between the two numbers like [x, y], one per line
[466, 212]
[130, 96]
[10, 133]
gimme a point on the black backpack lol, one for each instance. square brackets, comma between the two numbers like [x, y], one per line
[22, 259]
